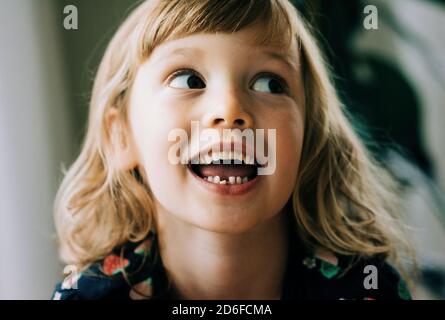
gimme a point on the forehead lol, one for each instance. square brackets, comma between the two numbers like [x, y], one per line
[243, 43]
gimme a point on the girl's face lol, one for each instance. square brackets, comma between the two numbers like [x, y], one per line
[222, 81]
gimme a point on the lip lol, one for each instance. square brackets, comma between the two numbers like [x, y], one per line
[226, 189]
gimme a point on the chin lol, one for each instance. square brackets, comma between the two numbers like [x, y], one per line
[236, 222]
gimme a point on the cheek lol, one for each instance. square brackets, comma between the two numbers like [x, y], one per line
[151, 127]
[289, 146]
[288, 162]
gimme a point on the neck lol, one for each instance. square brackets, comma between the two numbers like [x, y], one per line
[202, 264]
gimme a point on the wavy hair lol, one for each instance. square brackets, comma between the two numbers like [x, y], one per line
[343, 201]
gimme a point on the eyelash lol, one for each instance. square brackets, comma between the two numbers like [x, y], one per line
[182, 72]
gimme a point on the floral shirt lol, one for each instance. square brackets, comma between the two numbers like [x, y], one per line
[135, 271]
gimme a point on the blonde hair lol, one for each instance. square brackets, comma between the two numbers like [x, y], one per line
[342, 200]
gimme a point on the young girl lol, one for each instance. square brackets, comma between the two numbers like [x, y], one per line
[134, 224]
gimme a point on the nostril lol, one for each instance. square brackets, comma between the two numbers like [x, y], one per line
[219, 120]
[240, 122]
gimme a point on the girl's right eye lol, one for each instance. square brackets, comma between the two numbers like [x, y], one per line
[186, 79]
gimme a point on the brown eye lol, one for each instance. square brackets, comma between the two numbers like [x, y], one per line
[269, 84]
[186, 79]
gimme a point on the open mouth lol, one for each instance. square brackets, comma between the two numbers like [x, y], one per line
[226, 168]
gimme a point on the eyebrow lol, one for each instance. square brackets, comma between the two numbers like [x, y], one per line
[193, 51]
[182, 51]
[284, 58]
[186, 51]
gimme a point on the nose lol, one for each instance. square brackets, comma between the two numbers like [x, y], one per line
[229, 112]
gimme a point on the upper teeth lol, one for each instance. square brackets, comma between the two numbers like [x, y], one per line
[226, 157]
[231, 180]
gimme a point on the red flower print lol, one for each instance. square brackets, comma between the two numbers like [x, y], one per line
[114, 264]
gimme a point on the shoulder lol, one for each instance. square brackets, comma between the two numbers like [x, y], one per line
[329, 276]
[125, 273]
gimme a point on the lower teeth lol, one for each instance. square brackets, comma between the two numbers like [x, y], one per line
[232, 180]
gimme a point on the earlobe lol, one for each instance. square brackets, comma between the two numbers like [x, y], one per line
[122, 149]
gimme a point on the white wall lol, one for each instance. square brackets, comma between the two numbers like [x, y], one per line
[33, 142]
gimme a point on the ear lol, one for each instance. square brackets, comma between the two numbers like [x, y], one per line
[122, 146]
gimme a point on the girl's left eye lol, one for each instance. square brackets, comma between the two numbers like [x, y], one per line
[269, 84]
[186, 79]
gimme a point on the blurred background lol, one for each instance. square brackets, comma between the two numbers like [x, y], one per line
[392, 81]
